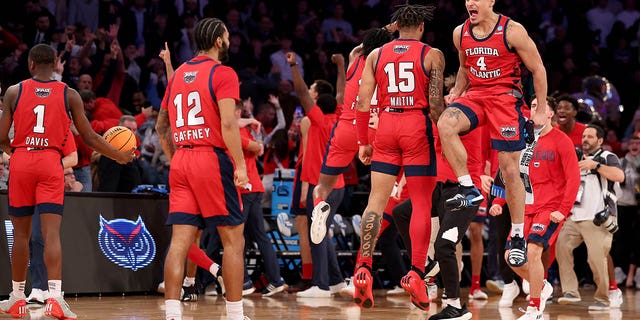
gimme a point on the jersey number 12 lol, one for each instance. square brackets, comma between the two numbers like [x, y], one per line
[195, 107]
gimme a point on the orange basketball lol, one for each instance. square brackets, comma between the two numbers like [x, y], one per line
[120, 138]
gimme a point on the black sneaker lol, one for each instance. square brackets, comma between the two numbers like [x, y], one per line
[220, 281]
[432, 269]
[452, 313]
[465, 198]
[518, 252]
[273, 288]
[189, 293]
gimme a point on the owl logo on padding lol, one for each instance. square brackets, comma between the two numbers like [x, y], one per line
[126, 243]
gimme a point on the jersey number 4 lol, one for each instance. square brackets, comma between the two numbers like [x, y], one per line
[195, 107]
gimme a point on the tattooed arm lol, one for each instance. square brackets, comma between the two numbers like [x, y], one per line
[434, 63]
[163, 127]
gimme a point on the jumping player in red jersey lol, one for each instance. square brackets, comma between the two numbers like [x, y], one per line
[491, 49]
[343, 146]
[555, 179]
[404, 70]
[198, 118]
[39, 110]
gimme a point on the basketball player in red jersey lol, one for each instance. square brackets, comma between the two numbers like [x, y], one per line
[198, 118]
[39, 110]
[404, 70]
[491, 49]
[555, 179]
[343, 146]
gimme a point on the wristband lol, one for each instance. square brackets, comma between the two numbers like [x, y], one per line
[598, 166]
[293, 64]
[362, 127]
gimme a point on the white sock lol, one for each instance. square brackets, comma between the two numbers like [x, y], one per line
[189, 281]
[517, 229]
[465, 180]
[214, 268]
[454, 303]
[234, 310]
[55, 288]
[18, 289]
[173, 310]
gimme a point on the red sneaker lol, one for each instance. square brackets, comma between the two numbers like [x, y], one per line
[59, 309]
[416, 287]
[363, 282]
[14, 307]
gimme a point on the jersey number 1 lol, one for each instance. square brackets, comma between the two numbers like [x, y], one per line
[39, 112]
[194, 105]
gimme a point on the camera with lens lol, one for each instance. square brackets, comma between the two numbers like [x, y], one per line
[605, 219]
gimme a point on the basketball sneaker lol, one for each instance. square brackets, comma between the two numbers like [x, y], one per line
[452, 313]
[57, 308]
[363, 282]
[478, 294]
[547, 292]
[37, 296]
[510, 292]
[615, 298]
[431, 269]
[518, 252]
[14, 306]
[220, 282]
[273, 288]
[415, 285]
[248, 288]
[189, 293]
[319, 222]
[349, 290]
[532, 314]
[465, 198]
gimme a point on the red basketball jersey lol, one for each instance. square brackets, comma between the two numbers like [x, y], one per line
[351, 88]
[192, 101]
[402, 80]
[41, 115]
[492, 66]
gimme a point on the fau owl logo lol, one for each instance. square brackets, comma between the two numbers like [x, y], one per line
[126, 243]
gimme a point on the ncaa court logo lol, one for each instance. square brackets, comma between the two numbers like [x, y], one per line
[126, 243]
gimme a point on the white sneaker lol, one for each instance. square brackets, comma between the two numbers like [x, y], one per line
[478, 295]
[356, 222]
[495, 285]
[37, 296]
[349, 289]
[335, 289]
[210, 290]
[319, 217]
[526, 288]
[396, 291]
[314, 292]
[547, 292]
[432, 291]
[615, 298]
[160, 287]
[509, 293]
[532, 314]
[285, 226]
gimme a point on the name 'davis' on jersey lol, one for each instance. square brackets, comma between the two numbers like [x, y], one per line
[191, 134]
[37, 142]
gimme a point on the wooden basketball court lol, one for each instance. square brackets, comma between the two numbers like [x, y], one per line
[288, 306]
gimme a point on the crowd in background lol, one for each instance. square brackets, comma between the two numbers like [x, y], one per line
[109, 52]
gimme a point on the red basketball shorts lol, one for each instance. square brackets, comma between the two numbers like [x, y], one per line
[404, 139]
[202, 190]
[538, 228]
[342, 147]
[503, 114]
[36, 179]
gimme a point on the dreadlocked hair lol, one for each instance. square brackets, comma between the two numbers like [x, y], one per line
[207, 31]
[412, 15]
[375, 38]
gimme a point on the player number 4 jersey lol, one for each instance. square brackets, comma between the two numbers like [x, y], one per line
[491, 63]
